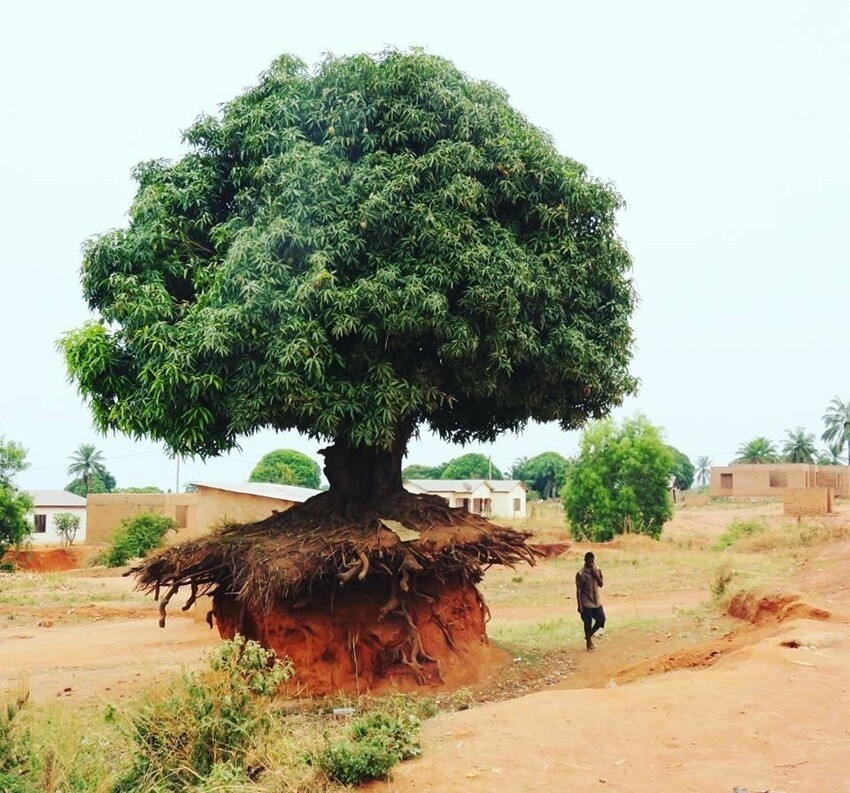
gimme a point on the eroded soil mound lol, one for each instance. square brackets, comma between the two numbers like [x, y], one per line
[760, 609]
[48, 560]
[549, 550]
[367, 638]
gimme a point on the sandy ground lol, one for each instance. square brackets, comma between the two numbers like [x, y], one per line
[763, 708]
[763, 705]
[104, 650]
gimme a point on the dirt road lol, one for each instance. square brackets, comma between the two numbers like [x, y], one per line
[769, 712]
[761, 703]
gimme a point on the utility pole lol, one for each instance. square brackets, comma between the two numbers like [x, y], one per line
[177, 483]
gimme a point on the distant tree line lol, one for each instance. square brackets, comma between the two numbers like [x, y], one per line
[800, 446]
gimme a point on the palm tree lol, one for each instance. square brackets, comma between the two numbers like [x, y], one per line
[837, 421]
[758, 450]
[799, 446]
[86, 464]
[831, 455]
[703, 471]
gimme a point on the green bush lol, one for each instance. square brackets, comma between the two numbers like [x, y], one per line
[136, 536]
[620, 482]
[203, 728]
[737, 530]
[376, 742]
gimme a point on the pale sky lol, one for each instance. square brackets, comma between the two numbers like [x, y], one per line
[725, 126]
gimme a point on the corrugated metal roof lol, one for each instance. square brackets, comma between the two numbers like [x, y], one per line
[264, 489]
[55, 498]
[465, 485]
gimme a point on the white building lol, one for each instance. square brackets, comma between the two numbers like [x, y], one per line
[490, 497]
[46, 505]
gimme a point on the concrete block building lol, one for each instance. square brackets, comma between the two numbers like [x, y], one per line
[772, 479]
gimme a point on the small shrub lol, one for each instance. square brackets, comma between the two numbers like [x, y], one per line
[722, 578]
[136, 536]
[67, 525]
[737, 530]
[377, 741]
[207, 723]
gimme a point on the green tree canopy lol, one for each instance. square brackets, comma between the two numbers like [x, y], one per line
[799, 446]
[620, 481]
[352, 251]
[13, 460]
[831, 455]
[98, 483]
[837, 423]
[14, 503]
[757, 450]
[682, 469]
[471, 466]
[287, 467]
[544, 474]
[417, 471]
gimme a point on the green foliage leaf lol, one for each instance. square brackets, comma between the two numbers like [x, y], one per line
[377, 242]
[682, 469]
[620, 482]
[287, 467]
[471, 466]
[136, 536]
[14, 503]
[544, 474]
[756, 451]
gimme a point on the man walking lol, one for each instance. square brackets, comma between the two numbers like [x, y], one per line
[588, 584]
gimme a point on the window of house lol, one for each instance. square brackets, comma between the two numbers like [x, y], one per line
[39, 524]
[517, 505]
[487, 506]
[778, 479]
[476, 505]
[725, 481]
[464, 502]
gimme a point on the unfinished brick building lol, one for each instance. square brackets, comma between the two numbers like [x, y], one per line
[772, 479]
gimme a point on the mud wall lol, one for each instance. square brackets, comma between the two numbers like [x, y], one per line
[770, 479]
[216, 507]
[808, 503]
[105, 511]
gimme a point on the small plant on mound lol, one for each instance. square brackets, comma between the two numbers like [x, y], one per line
[136, 536]
[375, 743]
[204, 728]
[722, 578]
[737, 530]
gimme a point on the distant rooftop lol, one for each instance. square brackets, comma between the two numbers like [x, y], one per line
[264, 489]
[55, 498]
[465, 485]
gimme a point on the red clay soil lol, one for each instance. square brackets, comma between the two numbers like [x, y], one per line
[549, 550]
[47, 560]
[763, 609]
[347, 640]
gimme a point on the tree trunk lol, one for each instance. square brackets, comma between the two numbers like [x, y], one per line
[366, 474]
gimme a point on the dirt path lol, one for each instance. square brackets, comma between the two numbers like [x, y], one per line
[683, 705]
[109, 659]
[764, 708]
